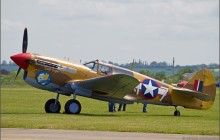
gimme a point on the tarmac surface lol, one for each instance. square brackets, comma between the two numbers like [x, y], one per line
[49, 134]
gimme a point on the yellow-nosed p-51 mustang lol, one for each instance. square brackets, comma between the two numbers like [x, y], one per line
[110, 83]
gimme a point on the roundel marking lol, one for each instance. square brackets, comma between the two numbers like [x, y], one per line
[149, 88]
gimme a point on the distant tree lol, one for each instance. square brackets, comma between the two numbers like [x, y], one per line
[110, 62]
[145, 63]
[177, 66]
[179, 76]
[153, 64]
[147, 73]
[11, 63]
[140, 61]
[213, 66]
[185, 70]
[160, 75]
[162, 64]
[182, 71]
[4, 62]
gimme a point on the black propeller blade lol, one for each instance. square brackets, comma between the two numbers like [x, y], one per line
[17, 73]
[25, 41]
[24, 48]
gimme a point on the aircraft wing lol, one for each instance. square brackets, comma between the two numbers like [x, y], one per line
[114, 86]
[193, 94]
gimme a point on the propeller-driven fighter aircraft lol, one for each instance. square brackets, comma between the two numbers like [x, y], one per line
[109, 83]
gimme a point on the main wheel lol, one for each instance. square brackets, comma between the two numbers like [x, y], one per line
[177, 113]
[51, 107]
[72, 107]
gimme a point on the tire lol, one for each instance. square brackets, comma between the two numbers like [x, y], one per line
[50, 108]
[73, 107]
[177, 113]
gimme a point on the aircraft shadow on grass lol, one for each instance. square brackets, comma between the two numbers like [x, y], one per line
[105, 115]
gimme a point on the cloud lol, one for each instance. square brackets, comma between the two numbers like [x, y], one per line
[195, 8]
[7, 24]
[106, 27]
[151, 16]
[81, 9]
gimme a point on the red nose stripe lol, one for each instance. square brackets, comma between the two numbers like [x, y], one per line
[20, 59]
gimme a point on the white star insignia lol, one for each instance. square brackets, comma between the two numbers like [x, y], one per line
[150, 88]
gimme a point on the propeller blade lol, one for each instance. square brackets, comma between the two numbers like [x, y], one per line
[25, 41]
[25, 74]
[17, 73]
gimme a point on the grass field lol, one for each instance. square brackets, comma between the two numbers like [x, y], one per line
[24, 108]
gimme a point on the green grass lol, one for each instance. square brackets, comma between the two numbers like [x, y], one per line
[24, 108]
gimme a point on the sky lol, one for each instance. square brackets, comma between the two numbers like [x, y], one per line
[114, 30]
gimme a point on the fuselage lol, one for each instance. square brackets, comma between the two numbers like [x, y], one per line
[54, 75]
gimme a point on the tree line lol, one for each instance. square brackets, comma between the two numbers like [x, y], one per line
[144, 65]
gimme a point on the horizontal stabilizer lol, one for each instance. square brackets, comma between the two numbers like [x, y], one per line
[193, 94]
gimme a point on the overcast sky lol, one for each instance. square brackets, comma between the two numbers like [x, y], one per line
[114, 30]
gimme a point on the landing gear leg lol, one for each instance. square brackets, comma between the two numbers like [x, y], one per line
[74, 96]
[176, 112]
[53, 105]
[73, 106]
[57, 99]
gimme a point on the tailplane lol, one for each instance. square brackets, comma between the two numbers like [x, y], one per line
[203, 82]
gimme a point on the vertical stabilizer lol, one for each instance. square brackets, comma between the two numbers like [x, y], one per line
[203, 81]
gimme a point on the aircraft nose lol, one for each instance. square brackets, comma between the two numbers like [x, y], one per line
[21, 59]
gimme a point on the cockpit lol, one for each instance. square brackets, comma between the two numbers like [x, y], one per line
[106, 69]
[100, 67]
[92, 65]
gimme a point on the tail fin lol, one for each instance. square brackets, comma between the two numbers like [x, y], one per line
[203, 81]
